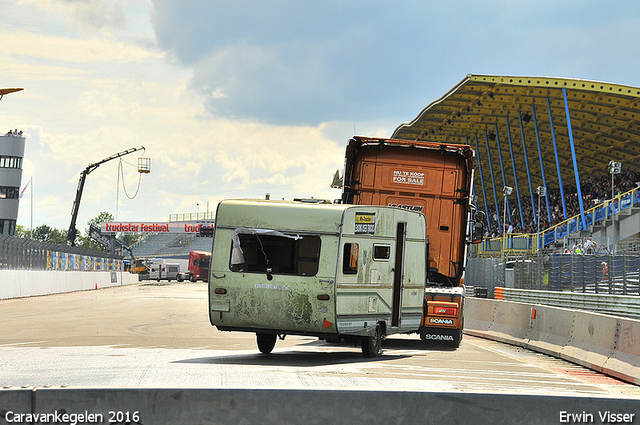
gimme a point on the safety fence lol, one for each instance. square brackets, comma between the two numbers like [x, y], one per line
[27, 254]
[600, 273]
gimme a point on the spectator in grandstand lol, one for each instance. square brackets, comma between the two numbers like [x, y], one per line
[594, 192]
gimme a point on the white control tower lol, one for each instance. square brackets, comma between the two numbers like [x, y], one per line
[11, 154]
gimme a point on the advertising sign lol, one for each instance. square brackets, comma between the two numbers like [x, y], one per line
[152, 227]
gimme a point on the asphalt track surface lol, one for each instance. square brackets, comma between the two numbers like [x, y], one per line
[158, 336]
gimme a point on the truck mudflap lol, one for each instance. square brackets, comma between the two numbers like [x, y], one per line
[450, 336]
[442, 319]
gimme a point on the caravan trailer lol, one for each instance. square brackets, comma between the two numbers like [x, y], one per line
[164, 271]
[332, 271]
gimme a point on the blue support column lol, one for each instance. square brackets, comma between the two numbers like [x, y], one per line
[555, 150]
[515, 175]
[544, 179]
[526, 161]
[493, 181]
[484, 193]
[573, 156]
[504, 180]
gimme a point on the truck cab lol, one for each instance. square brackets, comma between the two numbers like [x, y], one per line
[198, 267]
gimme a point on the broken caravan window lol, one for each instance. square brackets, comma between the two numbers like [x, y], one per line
[258, 250]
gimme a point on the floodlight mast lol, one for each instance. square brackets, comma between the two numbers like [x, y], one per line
[72, 232]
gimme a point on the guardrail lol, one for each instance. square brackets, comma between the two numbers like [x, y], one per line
[206, 215]
[616, 305]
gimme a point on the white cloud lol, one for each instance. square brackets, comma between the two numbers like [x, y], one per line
[258, 154]
[98, 14]
[25, 71]
[89, 15]
[21, 44]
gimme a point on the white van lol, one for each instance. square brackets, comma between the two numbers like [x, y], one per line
[164, 271]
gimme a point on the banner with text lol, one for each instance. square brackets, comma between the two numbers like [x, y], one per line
[152, 227]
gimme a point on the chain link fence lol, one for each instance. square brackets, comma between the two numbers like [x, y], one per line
[27, 254]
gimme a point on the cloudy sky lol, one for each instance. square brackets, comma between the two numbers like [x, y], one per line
[242, 98]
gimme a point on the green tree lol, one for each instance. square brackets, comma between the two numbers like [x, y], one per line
[85, 240]
[103, 217]
[22, 232]
[45, 233]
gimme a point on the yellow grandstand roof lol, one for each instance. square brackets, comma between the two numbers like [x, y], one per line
[604, 118]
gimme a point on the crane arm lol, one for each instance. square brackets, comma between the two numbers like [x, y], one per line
[72, 232]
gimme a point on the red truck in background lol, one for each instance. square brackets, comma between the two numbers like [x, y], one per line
[435, 179]
[198, 268]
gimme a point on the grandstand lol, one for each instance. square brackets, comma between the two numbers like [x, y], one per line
[531, 132]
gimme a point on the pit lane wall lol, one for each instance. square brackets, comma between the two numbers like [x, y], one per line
[607, 344]
[27, 283]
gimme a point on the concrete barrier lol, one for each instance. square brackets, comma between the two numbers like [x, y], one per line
[20, 400]
[625, 361]
[308, 407]
[479, 313]
[551, 329]
[594, 340]
[511, 319]
[604, 343]
[27, 283]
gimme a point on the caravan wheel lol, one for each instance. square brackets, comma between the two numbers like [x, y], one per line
[372, 345]
[266, 342]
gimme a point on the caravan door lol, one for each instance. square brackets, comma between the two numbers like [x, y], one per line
[398, 275]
